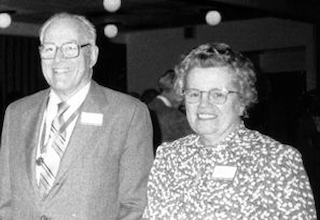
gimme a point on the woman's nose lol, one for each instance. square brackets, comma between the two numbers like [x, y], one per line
[204, 99]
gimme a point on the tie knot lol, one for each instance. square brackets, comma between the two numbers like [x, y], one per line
[62, 107]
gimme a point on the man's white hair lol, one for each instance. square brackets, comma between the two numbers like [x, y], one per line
[86, 27]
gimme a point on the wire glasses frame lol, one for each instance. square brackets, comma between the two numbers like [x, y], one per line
[69, 50]
[215, 96]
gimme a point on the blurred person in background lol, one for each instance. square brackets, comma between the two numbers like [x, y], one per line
[149, 95]
[169, 123]
[307, 139]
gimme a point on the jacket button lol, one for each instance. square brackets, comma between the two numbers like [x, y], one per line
[44, 217]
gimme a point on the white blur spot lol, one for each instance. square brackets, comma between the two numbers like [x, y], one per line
[110, 30]
[5, 20]
[213, 18]
[111, 5]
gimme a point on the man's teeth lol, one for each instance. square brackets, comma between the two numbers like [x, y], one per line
[60, 70]
[206, 116]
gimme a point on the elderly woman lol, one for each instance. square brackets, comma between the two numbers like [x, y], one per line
[224, 170]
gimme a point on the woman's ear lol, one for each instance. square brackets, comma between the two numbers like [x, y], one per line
[242, 109]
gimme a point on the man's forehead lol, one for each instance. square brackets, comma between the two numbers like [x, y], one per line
[62, 30]
[64, 23]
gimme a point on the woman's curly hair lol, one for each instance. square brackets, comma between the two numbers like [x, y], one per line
[220, 55]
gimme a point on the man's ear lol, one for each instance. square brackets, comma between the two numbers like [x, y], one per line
[94, 55]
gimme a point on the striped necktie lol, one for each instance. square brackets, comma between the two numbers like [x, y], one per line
[53, 151]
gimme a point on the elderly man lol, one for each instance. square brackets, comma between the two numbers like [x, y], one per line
[76, 150]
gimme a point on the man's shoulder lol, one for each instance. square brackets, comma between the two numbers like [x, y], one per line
[30, 101]
[158, 105]
[166, 112]
[119, 99]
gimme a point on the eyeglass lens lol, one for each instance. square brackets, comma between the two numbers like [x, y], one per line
[215, 96]
[69, 50]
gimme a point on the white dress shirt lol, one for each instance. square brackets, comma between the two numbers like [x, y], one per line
[52, 108]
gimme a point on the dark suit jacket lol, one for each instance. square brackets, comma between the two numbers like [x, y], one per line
[169, 123]
[103, 173]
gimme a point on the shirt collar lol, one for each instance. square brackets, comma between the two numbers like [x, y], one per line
[165, 100]
[75, 101]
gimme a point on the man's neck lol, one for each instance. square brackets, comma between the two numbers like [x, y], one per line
[67, 96]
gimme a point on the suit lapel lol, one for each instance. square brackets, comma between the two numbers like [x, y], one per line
[83, 133]
[33, 120]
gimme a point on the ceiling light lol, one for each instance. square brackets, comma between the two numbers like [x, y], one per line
[110, 30]
[5, 20]
[111, 5]
[213, 18]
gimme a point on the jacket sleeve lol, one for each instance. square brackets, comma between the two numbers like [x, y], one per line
[5, 189]
[135, 164]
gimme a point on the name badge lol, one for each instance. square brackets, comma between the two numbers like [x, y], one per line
[91, 118]
[223, 172]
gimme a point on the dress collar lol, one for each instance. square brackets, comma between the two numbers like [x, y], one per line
[224, 143]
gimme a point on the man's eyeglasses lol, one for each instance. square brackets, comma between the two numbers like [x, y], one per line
[215, 96]
[69, 50]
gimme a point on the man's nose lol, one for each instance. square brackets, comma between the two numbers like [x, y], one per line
[58, 55]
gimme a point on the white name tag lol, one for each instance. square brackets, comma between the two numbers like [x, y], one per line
[224, 172]
[91, 118]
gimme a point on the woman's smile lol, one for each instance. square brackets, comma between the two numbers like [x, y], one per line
[206, 116]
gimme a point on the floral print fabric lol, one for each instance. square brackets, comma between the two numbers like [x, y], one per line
[270, 181]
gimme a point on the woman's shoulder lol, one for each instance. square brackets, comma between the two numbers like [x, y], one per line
[176, 146]
[270, 146]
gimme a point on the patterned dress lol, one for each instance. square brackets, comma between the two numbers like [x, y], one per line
[246, 176]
